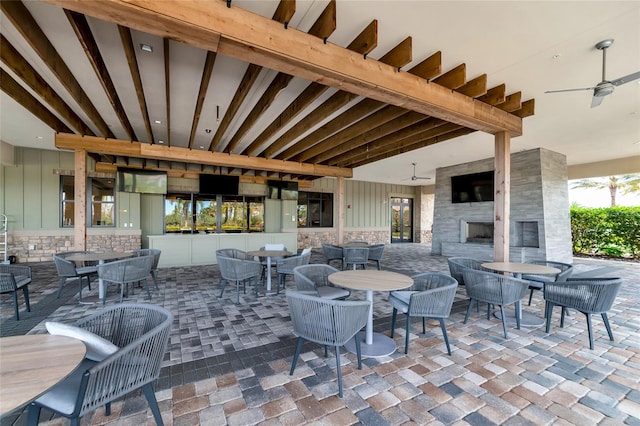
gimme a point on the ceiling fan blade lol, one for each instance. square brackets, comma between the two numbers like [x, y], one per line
[570, 90]
[596, 100]
[626, 78]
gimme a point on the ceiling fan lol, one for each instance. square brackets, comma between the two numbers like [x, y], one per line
[605, 87]
[414, 177]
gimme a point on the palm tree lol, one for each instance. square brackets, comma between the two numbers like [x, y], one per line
[627, 184]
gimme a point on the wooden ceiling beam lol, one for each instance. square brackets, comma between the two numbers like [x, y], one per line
[160, 152]
[474, 88]
[322, 28]
[454, 78]
[400, 55]
[130, 53]
[366, 41]
[202, 94]
[283, 14]
[428, 68]
[21, 68]
[513, 102]
[167, 85]
[527, 110]
[29, 102]
[495, 95]
[22, 20]
[85, 37]
[249, 37]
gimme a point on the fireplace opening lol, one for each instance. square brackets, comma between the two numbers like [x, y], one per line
[479, 232]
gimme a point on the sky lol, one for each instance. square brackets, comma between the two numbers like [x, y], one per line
[601, 197]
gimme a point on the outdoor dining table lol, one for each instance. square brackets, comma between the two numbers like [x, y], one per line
[375, 344]
[268, 254]
[99, 257]
[527, 319]
[34, 363]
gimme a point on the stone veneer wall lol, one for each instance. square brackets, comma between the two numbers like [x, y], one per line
[48, 242]
[539, 193]
[315, 238]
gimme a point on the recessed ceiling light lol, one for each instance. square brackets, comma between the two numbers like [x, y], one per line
[146, 47]
[39, 137]
[158, 122]
[201, 147]
[160, 141]
[556, 56]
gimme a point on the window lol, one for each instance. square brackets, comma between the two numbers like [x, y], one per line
[315, 210]
[194, 213]
[100, 208]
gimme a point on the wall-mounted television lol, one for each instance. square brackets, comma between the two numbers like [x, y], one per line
[142, 181]
[219, 184]
[475, 187]
[282, 190]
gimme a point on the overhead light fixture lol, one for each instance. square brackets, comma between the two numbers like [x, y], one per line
[158, 122]
[556, 56]
[160, 141]
[146, 47]
[39, 137]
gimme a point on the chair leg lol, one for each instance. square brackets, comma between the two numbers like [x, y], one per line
[237, 292]
[548, 310]
[326, 351]
[223, 282]
[339, 371]
[33, 415]
[153, 403]
[605, 318]
[518, 313]
[530, 297]
[358, 351]
[25, 292]
[146, 287]
[393, 320]
[564, 310]
[62, 280]
[589, 330]
[444, 334]
[424, 325]
[466, 317]
[15, 304]
[406, 337]
[296, 355]
[155, 280]
[504, 322]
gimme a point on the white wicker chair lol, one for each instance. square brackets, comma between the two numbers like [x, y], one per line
[141, 331]
[327, 322]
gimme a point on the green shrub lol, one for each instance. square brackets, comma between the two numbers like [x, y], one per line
[612, 231]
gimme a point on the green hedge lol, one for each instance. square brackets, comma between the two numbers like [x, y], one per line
[613, 231]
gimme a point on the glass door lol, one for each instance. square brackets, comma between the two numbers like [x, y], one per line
[401, 220]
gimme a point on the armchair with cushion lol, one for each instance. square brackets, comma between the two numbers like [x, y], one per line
[285, 267]
[140, 333]
[494, 289]
[327, 322]
[430, 296]
[586, 295]
[314, 278]
[14, 278]
[68, 269]
[537, 282]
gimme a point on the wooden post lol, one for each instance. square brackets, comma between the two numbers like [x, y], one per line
[80, 200]
[502, 199]
[340, 213]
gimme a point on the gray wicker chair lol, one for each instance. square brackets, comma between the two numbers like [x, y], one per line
[234, 253]
[14, 278]
[274, 259]
[430, 296]
[354, 256]
[285, 267]
[238, 270]
[315, 278]
[141, 331]
[537, 282]
[375, 254]
[494, 289]
[156, 258]
[327, 322]
[586, 295]
[458, 264]
[126, 271]
[332, 252]
[68, 269]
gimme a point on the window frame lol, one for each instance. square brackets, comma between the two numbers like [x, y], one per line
[319, 199]
[63, 201]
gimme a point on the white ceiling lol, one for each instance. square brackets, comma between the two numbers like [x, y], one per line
[513, 42]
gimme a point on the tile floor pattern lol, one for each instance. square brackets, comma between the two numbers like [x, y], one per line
[229, 364]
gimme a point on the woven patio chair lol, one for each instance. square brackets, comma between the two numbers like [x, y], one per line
[430, 296]
[537, 282]
[375, 255]
[68, 270]
[494, 289]
[14, 278]
[234, 253]
[140, 332]
[314, 278]
[331, 253]
[285, 267]
[327, 322]
[458, 264]
[156, 258]
[586, 295]
[354, 256]
[126, 271]
[238, 271]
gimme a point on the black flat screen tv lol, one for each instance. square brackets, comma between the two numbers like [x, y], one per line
[219, 184]
[142, 181]
[282, 190]
[472, 188]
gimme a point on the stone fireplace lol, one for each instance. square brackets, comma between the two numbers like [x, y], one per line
[476, 232]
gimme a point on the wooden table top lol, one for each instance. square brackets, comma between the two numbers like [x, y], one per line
[269, 253]
[371, 279]
[520, 268]
[32, 364]
[89, 257]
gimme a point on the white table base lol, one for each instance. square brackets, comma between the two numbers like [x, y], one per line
[527, 319]
[380, 346]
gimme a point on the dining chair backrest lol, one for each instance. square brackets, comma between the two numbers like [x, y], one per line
[234, 253]
[306, 251]
[276, 246]
[332, 252]
[458, 264]
[126, 271]
[375, 254]
[566, 270]
[494, 288]
[356, 256]
[14, 278]
[150, 252]
[310, 277]
[236, 269]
